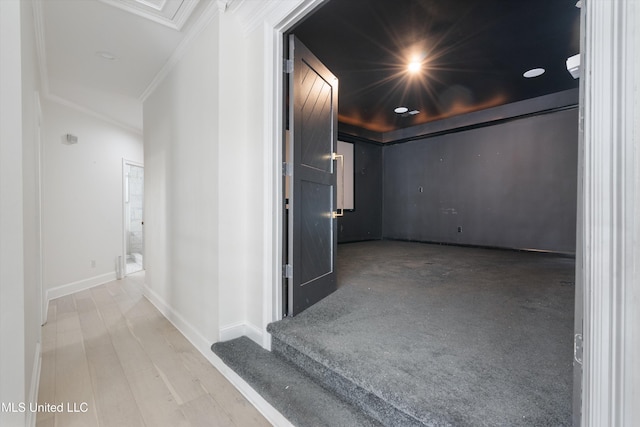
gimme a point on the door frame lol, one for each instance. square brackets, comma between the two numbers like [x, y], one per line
[123, 263]
[605, 241]
[273, 188]
[39, 154]
[609, 208]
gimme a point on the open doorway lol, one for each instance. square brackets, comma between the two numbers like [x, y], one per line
[133, 192]
[603, 188]
[414, 184]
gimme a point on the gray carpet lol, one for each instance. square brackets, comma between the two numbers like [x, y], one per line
[445, 335]
[302, 401]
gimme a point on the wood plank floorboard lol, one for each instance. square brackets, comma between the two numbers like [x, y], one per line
[110, 348]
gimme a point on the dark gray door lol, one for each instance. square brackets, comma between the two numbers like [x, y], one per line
[313, 120]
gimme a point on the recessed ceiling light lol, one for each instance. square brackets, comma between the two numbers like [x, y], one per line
[401, 110]
[534, 72]
[414, 112]
[106, 55]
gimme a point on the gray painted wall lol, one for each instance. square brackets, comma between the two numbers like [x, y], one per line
[510, 185]
[365, 221]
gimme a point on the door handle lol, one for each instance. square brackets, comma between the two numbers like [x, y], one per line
[339, 157]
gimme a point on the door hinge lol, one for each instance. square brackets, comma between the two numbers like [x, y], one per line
[287, 271]
[287, 169]
[288, 66]
[577, 348]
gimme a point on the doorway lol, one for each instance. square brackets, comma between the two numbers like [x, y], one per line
[133, 178]
[566, 349]
[601, 187]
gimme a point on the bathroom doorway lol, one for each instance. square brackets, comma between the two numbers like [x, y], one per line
[133, 258]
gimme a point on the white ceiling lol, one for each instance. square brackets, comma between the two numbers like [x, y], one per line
[141, 34]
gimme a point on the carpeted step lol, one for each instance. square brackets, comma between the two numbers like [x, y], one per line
[289, 390]
[367, 401]
[387, 409]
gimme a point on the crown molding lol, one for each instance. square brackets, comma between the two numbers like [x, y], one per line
[252, 14]
[88, 111]
[41, 47]
[45, 92]
[41, 53]
[211, 11]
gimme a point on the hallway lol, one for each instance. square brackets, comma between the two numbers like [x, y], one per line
[108, 350]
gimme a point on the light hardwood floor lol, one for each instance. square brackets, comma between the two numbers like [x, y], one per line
[108, 351]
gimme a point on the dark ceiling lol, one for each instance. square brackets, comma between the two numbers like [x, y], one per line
[473, 55]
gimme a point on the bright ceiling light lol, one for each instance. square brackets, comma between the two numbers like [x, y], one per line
[534, 72]
[414, 66]
[401, 110]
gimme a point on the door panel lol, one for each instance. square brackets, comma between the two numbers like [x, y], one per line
[313, 119]
[316, 232]
[315, 136]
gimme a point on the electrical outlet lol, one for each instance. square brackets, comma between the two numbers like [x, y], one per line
[459, 229]
[93, 263]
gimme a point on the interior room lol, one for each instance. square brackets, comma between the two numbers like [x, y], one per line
[456, 246]
[494, 180]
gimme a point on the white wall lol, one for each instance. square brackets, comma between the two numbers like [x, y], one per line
[204, 148]
[20, 304]
[82, 197]
[258, 152]
[12, 357]
[238, 239]
[182, 201]
[31, 122]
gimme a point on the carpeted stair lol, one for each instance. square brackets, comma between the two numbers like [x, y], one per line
[420, 335]
[386, 409]
[289, 390]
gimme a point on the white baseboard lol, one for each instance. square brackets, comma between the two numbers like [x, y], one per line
[185, 328]
[35, 385]
[241, 329]
[204, 347]
[269, 412]
[80, 285]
